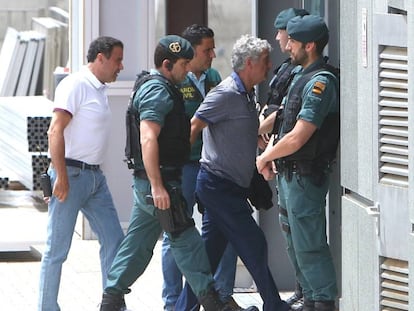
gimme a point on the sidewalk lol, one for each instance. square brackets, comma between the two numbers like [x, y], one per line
[80, 288]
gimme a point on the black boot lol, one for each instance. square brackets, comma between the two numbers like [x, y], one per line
[231, 304]
[112, 302]
[328, 305]
[212, 302]
[308, 305]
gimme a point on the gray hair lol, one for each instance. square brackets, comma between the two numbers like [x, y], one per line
[247, 46]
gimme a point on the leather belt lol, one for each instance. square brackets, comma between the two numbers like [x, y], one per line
[81, 165]
[167, 174]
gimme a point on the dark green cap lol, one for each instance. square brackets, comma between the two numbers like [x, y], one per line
[308, 28]
[177, 46]
[283, 17]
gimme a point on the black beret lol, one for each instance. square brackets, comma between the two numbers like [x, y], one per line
[308, 28]
[177, 46]
[283, 17]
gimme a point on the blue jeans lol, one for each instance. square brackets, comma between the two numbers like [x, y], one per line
[173, 279]
[136, 250]
[88, 193]
[227, 218]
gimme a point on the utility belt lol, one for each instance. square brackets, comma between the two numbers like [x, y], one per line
[167, 174]
[303, 168]
[287, 168]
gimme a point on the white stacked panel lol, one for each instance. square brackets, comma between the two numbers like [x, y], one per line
[32, 57]
[8, 51]
[20, 59]
[23, 137]
[56, 47]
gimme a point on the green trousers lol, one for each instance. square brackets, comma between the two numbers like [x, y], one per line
[136, 250]
[304, 228]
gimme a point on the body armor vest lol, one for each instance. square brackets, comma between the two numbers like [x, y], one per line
[322, 145]
[174, 138]
[279, 86]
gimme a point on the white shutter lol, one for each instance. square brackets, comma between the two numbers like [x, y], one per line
[394, 285]
[393, 116]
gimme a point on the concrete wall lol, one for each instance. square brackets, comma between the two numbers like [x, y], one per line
[377, 217]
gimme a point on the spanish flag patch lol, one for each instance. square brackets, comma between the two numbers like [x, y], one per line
[318, 88]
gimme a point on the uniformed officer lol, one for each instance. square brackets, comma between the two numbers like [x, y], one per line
[307, 143]
[280, 81]
[164, 147]
[278, 87]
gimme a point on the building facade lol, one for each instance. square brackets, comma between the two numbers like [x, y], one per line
[371, 210]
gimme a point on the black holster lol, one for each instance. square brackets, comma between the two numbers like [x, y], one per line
[317, 173]
[175, 219]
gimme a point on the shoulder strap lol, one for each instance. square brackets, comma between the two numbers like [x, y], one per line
[145, 76]
[298, 87]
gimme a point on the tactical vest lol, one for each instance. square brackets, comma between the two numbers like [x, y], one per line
[174, 137]
[279, 86]
[322, 145]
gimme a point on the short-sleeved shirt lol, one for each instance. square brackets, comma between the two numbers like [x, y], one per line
[84, 97]
[230, 138]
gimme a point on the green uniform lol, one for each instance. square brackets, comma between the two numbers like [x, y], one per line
[302, 196]
[154, 103]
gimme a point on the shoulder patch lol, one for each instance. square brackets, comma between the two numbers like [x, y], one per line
[318, 87]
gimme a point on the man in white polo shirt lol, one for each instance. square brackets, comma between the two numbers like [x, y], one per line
[78, 136]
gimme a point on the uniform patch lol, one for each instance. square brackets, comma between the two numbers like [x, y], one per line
[318, 88]
[188, 92]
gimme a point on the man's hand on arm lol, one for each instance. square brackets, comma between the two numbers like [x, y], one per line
[266, 125]
[149, 131]
[289, 144]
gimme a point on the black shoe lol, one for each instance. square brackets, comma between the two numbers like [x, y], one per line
[112, 302]
[308, 305]
[231, 304]
[297, 306]
[294, 298]
[328, 305]
[212, 302]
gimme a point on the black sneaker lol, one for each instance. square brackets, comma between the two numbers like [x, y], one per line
[294, 299]
[211, 302]
[297, 306]
[112, 302]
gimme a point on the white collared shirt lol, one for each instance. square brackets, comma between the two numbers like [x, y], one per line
[199, 83]
[84, 97]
